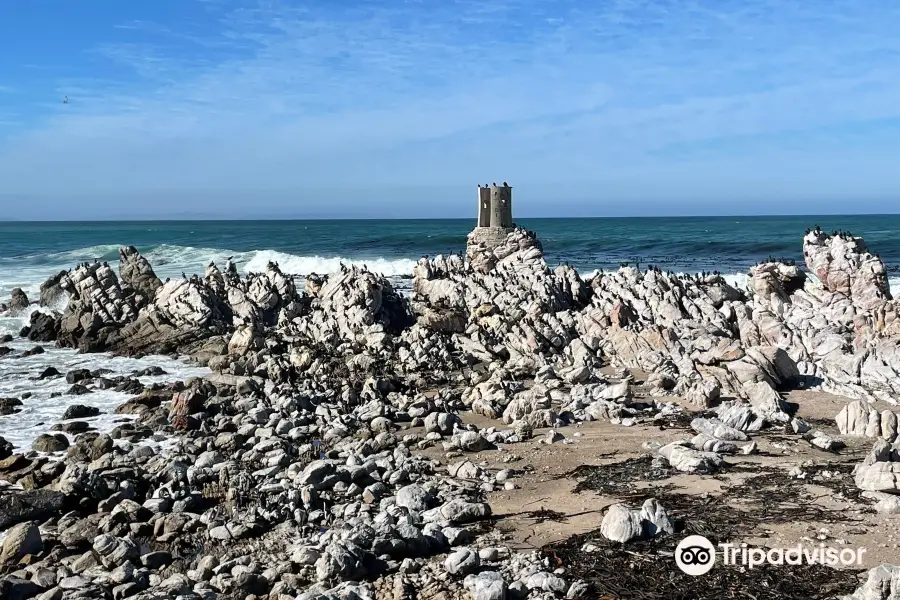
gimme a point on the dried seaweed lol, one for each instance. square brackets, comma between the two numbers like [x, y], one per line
[619, 479]
[647, 571]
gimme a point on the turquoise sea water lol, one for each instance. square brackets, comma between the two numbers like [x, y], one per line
[31, 251]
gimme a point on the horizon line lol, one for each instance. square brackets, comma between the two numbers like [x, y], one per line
[314, 218]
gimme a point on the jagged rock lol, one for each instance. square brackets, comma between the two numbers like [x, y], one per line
[878, 477]
[823, 441]
[703, 394]
[136, 272]
[766, 402]
[862, 419]
[16, 588]
[882, 583]
[6, 448]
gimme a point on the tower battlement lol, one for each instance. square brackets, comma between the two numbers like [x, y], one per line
[495, 206]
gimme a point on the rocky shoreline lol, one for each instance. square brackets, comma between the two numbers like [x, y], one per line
[336, 449]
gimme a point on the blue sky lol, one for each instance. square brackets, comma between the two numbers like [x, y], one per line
[395, 108]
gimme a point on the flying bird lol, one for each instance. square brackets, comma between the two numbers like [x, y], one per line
[66, 100]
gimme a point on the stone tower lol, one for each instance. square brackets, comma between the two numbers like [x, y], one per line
[494, 215]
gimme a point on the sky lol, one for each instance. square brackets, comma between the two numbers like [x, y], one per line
[398, 108]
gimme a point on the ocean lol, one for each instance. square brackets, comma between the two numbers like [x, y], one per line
[32, 251]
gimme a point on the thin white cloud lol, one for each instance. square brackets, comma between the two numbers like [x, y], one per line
[285, 96]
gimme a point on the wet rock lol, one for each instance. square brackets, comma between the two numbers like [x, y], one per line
[31, 505]
[50, 443]
[80, 411]
[10, 406]
[6, 448]
[43, 327]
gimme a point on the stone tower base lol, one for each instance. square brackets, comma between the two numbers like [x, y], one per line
[490, 237]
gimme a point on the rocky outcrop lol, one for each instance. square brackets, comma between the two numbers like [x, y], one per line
[844, 265]
[842, 328]
[135, 271]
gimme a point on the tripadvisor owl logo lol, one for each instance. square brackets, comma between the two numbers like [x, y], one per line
[695, 555]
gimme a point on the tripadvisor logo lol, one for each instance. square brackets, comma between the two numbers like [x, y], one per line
[696, 555]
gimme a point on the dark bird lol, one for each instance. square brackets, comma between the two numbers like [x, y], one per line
[66, 100]
[494, 183]
[505, 184]
[183, 276]
[479, 186]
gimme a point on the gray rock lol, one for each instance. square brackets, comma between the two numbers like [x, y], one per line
[458, 511]
[719, 430]
[621, 524]
[414, 497]
[689, 460]
[655, 518]
[462, 562]
[547, 582]
[487, 585]
[443, 423]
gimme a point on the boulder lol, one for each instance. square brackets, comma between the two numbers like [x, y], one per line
[20, 540]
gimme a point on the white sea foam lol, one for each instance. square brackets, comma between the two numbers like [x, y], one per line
[304, 265]
[40, 411]
[170, 261]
